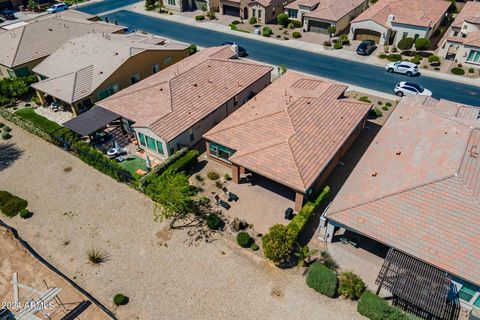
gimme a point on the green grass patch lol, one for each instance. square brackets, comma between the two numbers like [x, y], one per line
[133, 163]
[43, 123]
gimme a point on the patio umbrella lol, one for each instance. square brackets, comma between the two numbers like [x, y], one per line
[147, 162]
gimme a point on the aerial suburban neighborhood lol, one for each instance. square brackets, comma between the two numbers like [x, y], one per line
[234, 159]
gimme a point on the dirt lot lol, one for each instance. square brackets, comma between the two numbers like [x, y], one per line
[35, 275]
[166, 277]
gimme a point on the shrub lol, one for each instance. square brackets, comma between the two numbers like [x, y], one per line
[96, 256]
[252, 20]
[290, 26]
[350, 285]
[120, 300]
[254, 247]
[244, 240]
[286, 38]
[6, 129]
[388, 104]
[322, 279]
[343, 39]
[192, 49]
[394, 49]
[212, 175]
[405, 43]
[331, 30]
[417, 59]
[266, 32]
[373, 307]
[458, 71]
[327, 44]
[13, 206]
[185, 162]
[2, 124]
[199, 18]
[235, 22]
[385, 108]
[471, 70]
[383, 56]
[25, 214]
[296, 34]
[422, 44]
[282, 19]
[278, 243]
[214, 222]
[394, 57]
[199, 178]
[364, 99]
[337, 46]
[218, 184]
[6, 136]
[375, 113]
[433, 59]
[296, 23]
[4, 196]
[227, 177]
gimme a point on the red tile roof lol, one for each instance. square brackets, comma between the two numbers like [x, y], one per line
[425, 13]
[417, 188]
[332, 10]
[291, 130]
[470, 13]
[174, 99]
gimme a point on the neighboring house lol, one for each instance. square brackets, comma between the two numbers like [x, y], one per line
[94, 66]
[294, 132]
[463, 44]
[319, 15]
[176, 106]
[24, 47]
[417, 189]
[264, 11]
[389, 21]
[190, 5]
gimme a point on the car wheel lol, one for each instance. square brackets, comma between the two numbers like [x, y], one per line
[409, 74]
[399, 93]
[390, 70]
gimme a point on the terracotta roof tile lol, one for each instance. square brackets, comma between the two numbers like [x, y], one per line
[470, 13]
[332, 10]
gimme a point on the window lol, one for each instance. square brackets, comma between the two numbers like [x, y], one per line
[191, 136]
[467, 292]
[171, 2]
[151, 143]
[22, 72]
[135, 78]
[292, 13]
[259, 14]
[220, 151]
[416, 36]
[160, 147]
[476, 303]
[84, 105]
[155, 68]
[167, 60]
[141, 139]
[405, 34]
[107, 92]
[254, 12]
[474, 56]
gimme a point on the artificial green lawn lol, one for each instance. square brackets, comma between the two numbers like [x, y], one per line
[29, 115]
[133, 163]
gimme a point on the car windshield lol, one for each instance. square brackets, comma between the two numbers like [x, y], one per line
[414, 85]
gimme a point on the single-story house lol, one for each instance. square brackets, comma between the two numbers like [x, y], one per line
[26, 46]
[318, 16]
[177, 105]
[389, 21]
[417, 190]
[94, 66]
[294, 132]
[463, 44]
[191, 5]
[264, 11]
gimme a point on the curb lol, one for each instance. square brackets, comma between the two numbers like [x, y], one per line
[58, 272]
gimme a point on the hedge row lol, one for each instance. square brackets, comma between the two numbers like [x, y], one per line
[11, 205]
[376, 308]
[28, 126]
[185, 162]
[322, 279]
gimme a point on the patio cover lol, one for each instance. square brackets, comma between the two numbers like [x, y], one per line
[91, 121]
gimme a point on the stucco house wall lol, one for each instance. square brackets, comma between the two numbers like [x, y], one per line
[370, 25]
[408, 31]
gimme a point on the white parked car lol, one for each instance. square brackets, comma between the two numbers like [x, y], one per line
[411, 89]
[58, 7]
[405, 67]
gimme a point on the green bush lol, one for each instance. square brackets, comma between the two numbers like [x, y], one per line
[385, 108]
[458, 71]
[364, 99]
[4, 196]
[373, 307]
[235, 22]
[185, 162]
[252, 20]
[192, 49]
[290, 26]
[266, 32]
[327, 44]
[394, 57]
[214, 222]
[212, 175]
[433, 59]
[199, 18]
[13, 206]
[120, 299]
[227, 177]
[406, 43]
[25, 214]
[254, 247]
[296, 34]
[383, 56]
[296, 23]
[282, 19]
[244, 240]
[375, 113]
[337, 46]
[278, 243]
[350, 285]
[471, 70]
[6, 136]
[388, 104]
[2, 124]
[322, 279]
[422, 44]
[417, 59]
[6, 129]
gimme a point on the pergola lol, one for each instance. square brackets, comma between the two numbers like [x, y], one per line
[91, 121]
[417, 286]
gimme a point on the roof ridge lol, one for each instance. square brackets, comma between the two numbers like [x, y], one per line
[75, 80]
[394, 193]
[468, 190]
[275, 142]
[122, 93]
[18, 46]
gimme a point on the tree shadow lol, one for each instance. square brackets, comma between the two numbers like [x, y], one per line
[9, 153]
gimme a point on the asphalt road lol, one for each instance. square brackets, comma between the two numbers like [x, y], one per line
[351, 72]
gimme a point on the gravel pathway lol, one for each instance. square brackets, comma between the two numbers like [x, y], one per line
[76, 208]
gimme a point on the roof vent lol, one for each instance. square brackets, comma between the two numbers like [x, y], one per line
[473, 152]
[398, 153]
[195, 85]
[116, 53]
[445, 132]
[50, 29]
[101, 72]
[374, 174]
[161, 89]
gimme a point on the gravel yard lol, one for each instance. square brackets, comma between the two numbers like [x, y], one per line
[164, 275]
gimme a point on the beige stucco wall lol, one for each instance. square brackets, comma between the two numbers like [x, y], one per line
[32, 64]
[370, 25]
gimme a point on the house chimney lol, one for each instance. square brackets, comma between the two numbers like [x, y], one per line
[390, 19]
[234, 48]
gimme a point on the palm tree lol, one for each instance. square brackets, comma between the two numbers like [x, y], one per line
[304, 254]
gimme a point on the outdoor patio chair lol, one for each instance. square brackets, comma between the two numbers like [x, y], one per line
[221, 202]
[225, 190]
[232, 196]
[289, 214]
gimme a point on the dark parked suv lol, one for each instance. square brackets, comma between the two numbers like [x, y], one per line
[366, 47]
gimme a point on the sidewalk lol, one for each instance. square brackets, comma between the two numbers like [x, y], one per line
[293, 43]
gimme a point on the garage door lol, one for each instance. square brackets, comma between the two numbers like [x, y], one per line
[318, 26]
[231, 11]
[365, 34]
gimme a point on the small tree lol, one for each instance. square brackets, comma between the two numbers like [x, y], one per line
[252, 20]
[405, 43]
[304, 254]
[422, 44]
[173, 195]
[282, 19]
[331, 31]
[278, 243]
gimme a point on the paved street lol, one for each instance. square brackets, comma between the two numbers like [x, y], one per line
[351, 72]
